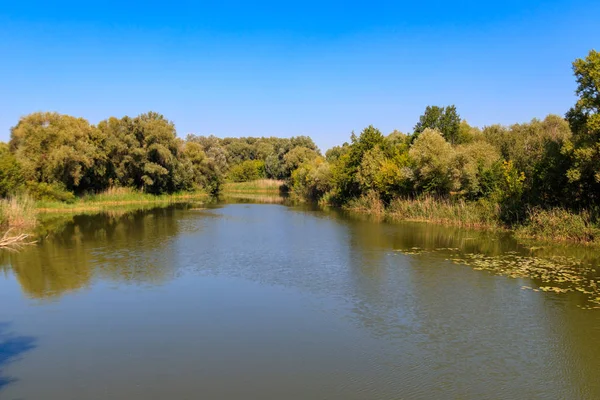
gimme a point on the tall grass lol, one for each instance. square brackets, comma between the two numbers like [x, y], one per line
[117, 196]
[560, 225]
[18, 212]
[369, 203]
[479, 214]
[258, 186]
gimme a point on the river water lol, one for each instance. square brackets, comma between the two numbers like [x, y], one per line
[267, 301]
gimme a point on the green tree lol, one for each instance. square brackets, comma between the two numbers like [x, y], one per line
[477, 166]
[11, 177]
[248, 170]
[55, 148]
[584, 119]
[146, 154]
[296, 157]
[433, 158]
[346, 167]
[445, 120]
[312, 180]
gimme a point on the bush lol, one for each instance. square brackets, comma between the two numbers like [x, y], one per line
[49, 192]
[248, 170]
[11, 177]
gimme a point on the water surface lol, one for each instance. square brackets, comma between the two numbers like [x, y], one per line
[266, 301]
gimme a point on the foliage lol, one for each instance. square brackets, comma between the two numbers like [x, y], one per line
[11, 177]
[313, 179]
[584, 119]
[43, 191]
[433, 156]
[52, 147]
[247, 170]
[445, 120]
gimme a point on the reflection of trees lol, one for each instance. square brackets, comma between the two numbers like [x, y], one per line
[121, 246]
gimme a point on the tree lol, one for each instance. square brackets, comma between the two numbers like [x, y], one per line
[477, 166]
[432, 156]
[445, 120]
[296, 157]
[11, 177]
[346, 167]
[146, 154]
[584, 119]
[55, 148]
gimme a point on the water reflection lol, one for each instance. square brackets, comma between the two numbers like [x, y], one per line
[11, 348]
[372, 309]
[125, 247]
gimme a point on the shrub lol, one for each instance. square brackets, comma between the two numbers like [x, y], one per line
[49, 192]
[248, 170]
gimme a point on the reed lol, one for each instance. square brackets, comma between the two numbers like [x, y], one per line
[117, 197]
[257, 186]
[478, 214]
[560, 225]
[18, 212]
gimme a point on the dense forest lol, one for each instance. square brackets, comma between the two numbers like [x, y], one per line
[513, 172]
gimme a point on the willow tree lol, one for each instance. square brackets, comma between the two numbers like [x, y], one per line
[55, 148]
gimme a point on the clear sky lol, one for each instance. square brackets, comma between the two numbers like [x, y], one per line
[284, 68]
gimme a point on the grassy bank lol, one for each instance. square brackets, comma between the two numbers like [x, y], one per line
[554, 225]
[115, 197]
[478, 215]
[261, 186]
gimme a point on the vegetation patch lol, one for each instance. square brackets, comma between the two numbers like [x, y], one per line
[117, 197]
[560, 224]
[556, 274]
[259, 186]
[18, 212]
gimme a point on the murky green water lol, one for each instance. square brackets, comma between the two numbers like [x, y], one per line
[264, 301]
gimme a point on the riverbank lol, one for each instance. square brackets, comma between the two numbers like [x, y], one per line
[20, 215]
[116, 197]
[554, 225]
[257, 187]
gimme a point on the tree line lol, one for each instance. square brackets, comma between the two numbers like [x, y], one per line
[554, 162]
[56, 157]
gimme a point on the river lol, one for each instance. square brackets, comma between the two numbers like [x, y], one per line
[268, 301]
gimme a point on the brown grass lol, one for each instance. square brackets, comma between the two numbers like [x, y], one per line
[257, 186]
[480, 214]
[18, 212]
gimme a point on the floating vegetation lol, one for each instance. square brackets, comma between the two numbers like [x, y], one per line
[558, 274]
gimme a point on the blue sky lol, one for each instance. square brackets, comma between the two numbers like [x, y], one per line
[283, 68]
